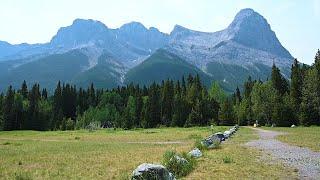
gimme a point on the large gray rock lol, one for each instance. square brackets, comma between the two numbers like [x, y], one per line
[211, 142]
[196, 153]
[148, 171]
[227, 134]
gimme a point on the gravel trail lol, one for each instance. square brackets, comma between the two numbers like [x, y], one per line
[307, 162]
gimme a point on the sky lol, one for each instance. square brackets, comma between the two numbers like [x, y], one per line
[296, 22]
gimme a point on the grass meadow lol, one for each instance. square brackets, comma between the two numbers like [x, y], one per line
[114, 154]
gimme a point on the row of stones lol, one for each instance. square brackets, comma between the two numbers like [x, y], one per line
[147, 171]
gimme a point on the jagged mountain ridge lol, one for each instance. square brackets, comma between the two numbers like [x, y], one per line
[248, 43]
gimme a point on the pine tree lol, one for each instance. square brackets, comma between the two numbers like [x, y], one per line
[296, 89]
[145, 113]
[183, 87]
[310, 104]
[18, 110]
[195, 115]
[44, 94]
[33, 122]
[217, 93]
[154, 105]
[238, 95]
[167, 102]
[130, 113]
[278, 81]
[1, 110]
[24, 90]
[226, 113]
[248, 85]
[8, 113]
[139, 106]
[57, 113]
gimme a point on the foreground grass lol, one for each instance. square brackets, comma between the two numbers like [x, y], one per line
[300, 136]
[104, 154]
[109, 154]
[236, 161]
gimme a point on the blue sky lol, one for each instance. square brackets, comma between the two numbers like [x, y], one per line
[296, 22]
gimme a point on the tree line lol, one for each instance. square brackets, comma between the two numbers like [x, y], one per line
[281, 102]
[183, 103]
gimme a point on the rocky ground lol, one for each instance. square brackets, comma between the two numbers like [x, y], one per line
[307, 162]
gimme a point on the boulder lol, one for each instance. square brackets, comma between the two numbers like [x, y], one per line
[196, 153]
[220, 136]
[227, 134]
[147, 171]
[211, 142]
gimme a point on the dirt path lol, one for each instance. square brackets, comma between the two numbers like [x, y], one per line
[304, 160]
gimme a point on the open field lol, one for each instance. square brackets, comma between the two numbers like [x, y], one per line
[300, 136]
[109, 154]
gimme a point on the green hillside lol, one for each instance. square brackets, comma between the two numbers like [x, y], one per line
[47, 71]
[230, 75]
[102, 75]
[163, 65]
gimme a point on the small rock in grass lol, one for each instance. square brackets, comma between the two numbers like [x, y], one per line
[293, 126]
[147, 171]
[196, 153]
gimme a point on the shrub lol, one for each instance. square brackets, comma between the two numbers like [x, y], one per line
[77, 138]
[6, 143]
[70, 124]
[178, 164]
[93, 126]
[227, 159]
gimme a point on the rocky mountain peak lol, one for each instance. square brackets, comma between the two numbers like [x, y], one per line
[252, 30]
[80, 32]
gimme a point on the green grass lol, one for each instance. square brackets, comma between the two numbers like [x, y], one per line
[109, 154]
[300, 136]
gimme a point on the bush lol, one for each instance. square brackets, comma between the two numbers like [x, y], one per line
[70, 124]
[227, 159]
[93, 126]
[178, 164]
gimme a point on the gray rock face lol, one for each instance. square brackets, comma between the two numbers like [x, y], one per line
[147, 171]
[247, 41]
[196, 153]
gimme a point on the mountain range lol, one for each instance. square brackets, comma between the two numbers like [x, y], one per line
[89, 52]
